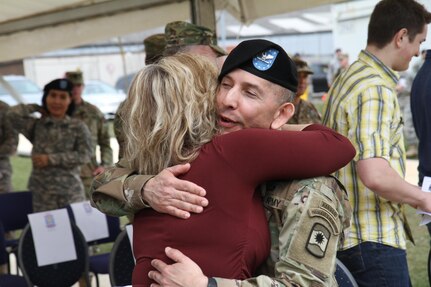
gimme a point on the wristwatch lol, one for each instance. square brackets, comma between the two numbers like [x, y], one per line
[212, 282]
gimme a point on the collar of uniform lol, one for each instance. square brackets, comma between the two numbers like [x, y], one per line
[52, 121]
[386, 72]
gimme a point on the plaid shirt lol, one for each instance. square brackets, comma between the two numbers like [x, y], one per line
[363, 106]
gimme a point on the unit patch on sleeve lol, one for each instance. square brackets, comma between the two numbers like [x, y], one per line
[318, 240]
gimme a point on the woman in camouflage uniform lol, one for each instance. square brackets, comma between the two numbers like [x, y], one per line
[60, 146]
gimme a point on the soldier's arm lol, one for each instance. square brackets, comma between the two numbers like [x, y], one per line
[308, 220]
[21, 119]
[10, 136]
[116, 191]
[80, 155]
[120, 190]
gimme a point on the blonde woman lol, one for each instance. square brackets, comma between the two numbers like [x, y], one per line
[170, 118]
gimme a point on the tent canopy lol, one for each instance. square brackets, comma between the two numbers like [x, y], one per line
[29, 27]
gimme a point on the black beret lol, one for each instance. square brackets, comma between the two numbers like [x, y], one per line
[59, 84]
[264, 59]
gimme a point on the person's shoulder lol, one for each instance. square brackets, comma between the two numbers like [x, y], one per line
[3, 105]
[75, 123]
[92, 109]
[247, 135]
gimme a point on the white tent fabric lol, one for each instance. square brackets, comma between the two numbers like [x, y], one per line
[29, 27]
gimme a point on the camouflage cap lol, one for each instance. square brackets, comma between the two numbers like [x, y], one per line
[154, 47]
[180, 33]
[75, 77]
[302, 66]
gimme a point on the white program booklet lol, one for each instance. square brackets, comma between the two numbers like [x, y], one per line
[90, 221]
[426, 216]
[52, 236]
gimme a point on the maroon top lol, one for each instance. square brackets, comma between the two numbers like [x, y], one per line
[230, 238]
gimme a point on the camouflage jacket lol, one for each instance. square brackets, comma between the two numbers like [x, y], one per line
[305, 113]
[67, 143]
[98, 127]
[118, 131]
[8, 145]
[307, 220]
[8, 136]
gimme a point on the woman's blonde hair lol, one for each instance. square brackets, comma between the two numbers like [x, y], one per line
[170, 112]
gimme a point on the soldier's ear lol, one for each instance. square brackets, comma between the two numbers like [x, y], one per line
[282, 115]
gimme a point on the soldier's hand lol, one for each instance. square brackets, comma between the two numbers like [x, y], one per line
[98, 170]
[40, 160]
[183, 273]
[166, 193]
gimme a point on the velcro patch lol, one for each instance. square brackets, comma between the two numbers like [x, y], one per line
[323, 213]
[318, 240]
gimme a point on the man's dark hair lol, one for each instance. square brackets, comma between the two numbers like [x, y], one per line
[390, 16]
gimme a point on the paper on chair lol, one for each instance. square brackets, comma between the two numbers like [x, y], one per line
[52, 236]
[426, 216]
[91, 221]
[129, 231]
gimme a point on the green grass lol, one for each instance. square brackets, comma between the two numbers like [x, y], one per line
[21, 172]
[417, 254]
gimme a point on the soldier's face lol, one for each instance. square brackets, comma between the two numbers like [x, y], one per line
[77, 92]
[57, 103]
[246, 101]
[302, 83]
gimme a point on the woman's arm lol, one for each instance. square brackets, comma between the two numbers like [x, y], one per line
[81, 153]
[21, 119]
[260, 154]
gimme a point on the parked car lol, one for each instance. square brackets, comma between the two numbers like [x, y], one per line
[23, 90]
[319, 81]
[123, 83]
[104, 96]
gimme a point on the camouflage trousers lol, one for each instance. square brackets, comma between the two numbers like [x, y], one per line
[307, 220]
[408, 129]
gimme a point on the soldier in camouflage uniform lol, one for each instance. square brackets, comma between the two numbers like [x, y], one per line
[154, 47]
[8, 145]
[305, 112]
[60, 146]
[96, 123]
[307, 220]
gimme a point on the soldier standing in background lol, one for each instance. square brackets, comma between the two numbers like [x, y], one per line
[154, 46]
[61, 145]
[8, 145]
[96, 123]
[305, 112]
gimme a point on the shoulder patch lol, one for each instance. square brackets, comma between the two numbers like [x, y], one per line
[318, 240]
